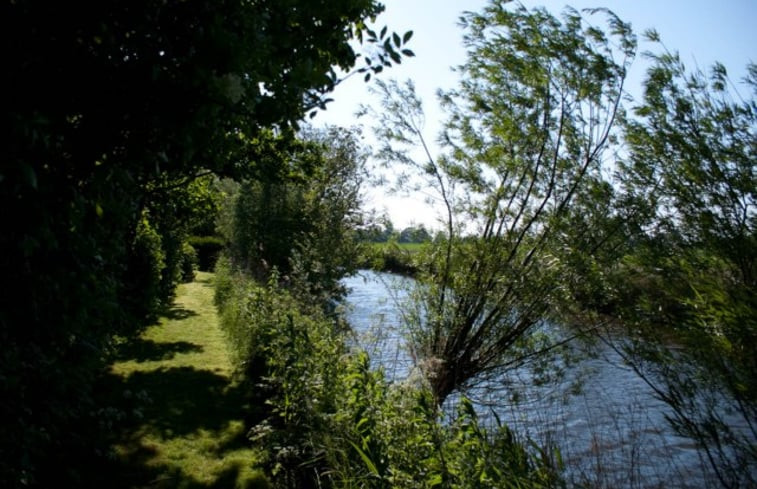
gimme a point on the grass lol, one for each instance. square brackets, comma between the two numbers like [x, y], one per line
[184, 413]
[410, 248]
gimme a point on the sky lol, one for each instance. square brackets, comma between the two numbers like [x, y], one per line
[702, 31]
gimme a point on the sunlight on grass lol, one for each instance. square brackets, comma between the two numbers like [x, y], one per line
[190, 432]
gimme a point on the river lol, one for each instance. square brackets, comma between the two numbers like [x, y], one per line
[611, 433]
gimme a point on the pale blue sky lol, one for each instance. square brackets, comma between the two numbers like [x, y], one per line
[703, 31]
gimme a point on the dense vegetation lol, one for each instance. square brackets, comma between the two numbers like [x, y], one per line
[147, 139]
[112, 110]
[526, 136]
[332, 421]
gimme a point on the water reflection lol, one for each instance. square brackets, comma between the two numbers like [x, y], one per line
[612, 433]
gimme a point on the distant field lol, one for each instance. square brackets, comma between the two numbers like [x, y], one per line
[408, 247]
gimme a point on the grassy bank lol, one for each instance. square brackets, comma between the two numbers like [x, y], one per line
[184, 413]
[393, 257]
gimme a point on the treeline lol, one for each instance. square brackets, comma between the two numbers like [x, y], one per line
[382, 231]
[386, 250]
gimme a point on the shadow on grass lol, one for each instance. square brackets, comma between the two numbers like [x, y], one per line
[182, 403]
[142, 476]
[142, 350]
[206, 280]
[180, 400]
[177, 313]
[172, 403]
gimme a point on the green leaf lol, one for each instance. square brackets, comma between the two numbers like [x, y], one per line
[396, 39]
[407, 36]
[366, 460]
[652, 35]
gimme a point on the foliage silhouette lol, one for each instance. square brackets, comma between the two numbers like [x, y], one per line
[116, 108]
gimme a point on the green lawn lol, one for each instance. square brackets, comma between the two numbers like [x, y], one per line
[185, 413]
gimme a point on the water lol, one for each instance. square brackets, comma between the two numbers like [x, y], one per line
[612, 433]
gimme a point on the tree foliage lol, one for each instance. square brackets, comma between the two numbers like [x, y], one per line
[691, 164]
[303, 225]
[525, 137]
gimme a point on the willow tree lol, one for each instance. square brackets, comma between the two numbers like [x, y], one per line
[692, 149]
[525, 135]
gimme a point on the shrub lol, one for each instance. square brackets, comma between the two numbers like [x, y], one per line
[145, 270]
[389, 257]
[286, 352]
[188, 262]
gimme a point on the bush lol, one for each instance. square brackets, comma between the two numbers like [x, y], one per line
[208, 250]
[188, 262]
[145, 270]
[389, 257]
[332, 421]
[224, 284]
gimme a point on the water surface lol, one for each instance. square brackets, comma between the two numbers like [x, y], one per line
[612, 433]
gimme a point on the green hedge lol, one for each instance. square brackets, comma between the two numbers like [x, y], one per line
[208, 249]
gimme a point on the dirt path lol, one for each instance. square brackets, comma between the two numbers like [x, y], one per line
[184, 411]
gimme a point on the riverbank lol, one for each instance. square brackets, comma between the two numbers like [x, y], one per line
[393, 257]
[184, 412]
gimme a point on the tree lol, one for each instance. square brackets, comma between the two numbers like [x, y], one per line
[105, 104]
[692, 153]
[414, 234]
[525, 136]
[376, 229]
[303, 225]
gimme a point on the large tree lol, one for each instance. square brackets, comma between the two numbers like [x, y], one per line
[305, 223]
[691, 278]
[110, 106]
[525, 138]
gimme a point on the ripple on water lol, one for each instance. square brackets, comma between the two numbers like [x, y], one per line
[614, 422]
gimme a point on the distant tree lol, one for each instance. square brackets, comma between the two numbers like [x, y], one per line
[376, 229]
[414, 234]
[389, 231]
[525, 137]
